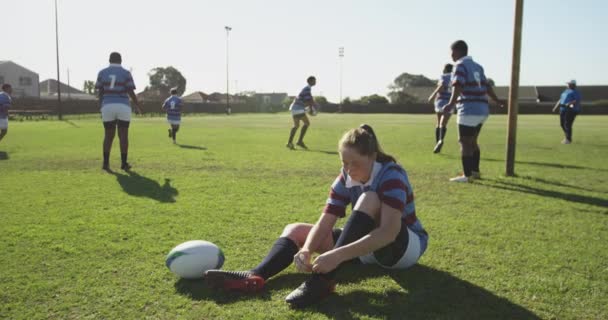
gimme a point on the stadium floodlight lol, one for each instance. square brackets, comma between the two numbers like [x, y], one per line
[341, 56]
[228, 111]
[59, 113]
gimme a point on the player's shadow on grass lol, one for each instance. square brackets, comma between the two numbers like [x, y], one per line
[546, 164]
[319, 151]
[513, 186]
[140, 186]
[185, 146]
[427, 293]
[198, 290]
[3, 155]
[72, 123]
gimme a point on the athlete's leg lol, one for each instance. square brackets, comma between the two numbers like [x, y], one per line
[109, 133]
[123, 137]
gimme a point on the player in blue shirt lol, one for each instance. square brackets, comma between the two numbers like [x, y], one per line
[298, 108]
[115, 85]
[470, 96]
[569, 105]
[441, 97]
[382, 228]
[173, 107]
[5, 104]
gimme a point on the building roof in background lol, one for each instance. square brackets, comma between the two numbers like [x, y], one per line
[20, 66]
[527, 93]
[49, 86]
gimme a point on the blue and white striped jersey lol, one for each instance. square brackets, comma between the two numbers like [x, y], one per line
[473, 99]
[389, 180]
[116, 82]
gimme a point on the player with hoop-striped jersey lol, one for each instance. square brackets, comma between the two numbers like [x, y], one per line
[470, 96]
[441, 95]
[115, 85]
[382, 228]
[173, 107]
[5, 104]
[298, 108]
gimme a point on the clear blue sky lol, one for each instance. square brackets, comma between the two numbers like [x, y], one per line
[276, 44]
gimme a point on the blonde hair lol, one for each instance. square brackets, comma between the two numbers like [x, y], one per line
[364, 141]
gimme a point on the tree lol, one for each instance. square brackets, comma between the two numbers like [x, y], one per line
[373, 99]
[491, 82]
[163, 79]
[399, 88]
[401, 97]
[89, 87]
[321, 100]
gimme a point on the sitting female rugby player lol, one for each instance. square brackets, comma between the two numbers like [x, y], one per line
[382, 228]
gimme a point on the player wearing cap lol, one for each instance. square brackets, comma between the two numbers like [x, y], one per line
[569, 105]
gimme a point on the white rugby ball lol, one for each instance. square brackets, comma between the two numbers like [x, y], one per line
[191, 259]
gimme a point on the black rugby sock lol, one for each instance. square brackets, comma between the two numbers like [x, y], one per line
[358, 225]
[280, 257]
[292, 134]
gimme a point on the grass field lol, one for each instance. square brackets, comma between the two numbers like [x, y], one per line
[79, 243]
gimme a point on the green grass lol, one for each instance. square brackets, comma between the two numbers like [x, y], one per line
[80, 243]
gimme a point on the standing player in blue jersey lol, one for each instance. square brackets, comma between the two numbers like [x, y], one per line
[115, 85]
[173, 107]
[470, 96]
[5, 104]
[441, 97]
[382, 228]
[569, 105]
[298, 113]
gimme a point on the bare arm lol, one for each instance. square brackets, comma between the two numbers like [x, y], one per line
[134, 98]
[456, 90]
[556, 106]
[390, 224]
[434, 94]
[492, 95]
[100, 96]
[315, 238]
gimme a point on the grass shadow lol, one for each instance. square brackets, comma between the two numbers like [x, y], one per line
[427, 293]
[198, 290]
[559, 184]
[547, 164]
[70, 122]
[3, 155]
[139, 186]
[185, 146]
[512, 186]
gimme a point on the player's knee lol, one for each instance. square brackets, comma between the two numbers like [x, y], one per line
[296, 126]
[297, 232]
[369, 202]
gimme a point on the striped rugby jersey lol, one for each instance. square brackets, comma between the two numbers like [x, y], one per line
[446, 91]
[173, 106]
[299, 104]
[116, 82]
[473, 99]
[5, 104]
[389, 180]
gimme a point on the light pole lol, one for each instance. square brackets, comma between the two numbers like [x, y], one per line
[59, 113]
[228, 29]
[341, 56]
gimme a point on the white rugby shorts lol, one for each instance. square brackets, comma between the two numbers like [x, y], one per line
[115, 111]
[409, 258]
